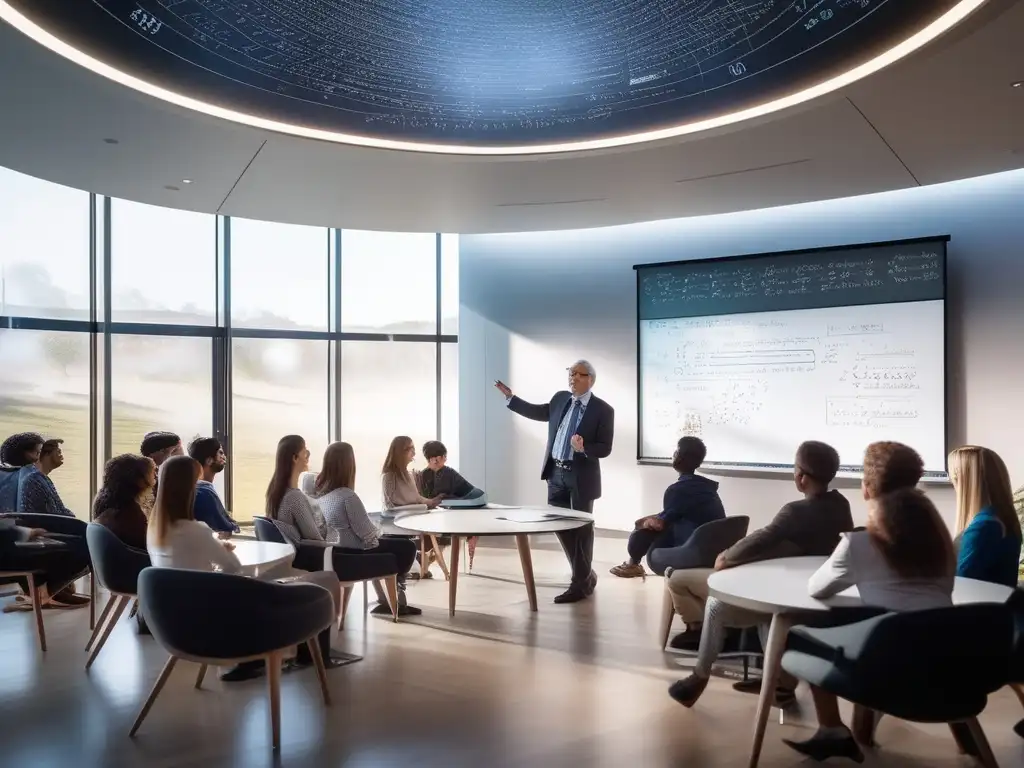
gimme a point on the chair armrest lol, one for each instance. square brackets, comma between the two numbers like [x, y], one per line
[69, 526]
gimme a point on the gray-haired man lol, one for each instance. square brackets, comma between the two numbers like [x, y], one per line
[581, 427]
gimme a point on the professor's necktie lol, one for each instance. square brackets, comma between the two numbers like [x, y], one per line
[565, 453]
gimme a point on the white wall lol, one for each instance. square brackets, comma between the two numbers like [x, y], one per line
[533, 303]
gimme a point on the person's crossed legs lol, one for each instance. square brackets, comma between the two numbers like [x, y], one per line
[719, 617]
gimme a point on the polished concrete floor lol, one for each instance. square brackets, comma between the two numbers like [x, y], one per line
[571, 686]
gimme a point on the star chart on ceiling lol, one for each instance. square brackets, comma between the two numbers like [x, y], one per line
[486, 72]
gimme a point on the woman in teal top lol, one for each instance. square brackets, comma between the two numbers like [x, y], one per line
[989, 533]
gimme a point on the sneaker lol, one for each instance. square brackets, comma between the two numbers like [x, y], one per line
[247, 670]
[686, 641]
[629, 570]
[688, 690]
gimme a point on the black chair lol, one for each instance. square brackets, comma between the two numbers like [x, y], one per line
[934, 666]
[219, 619]
[116, 567]
[71, 531]
[700, 551]
[351, 569]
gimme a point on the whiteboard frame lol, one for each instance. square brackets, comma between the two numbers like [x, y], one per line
[845, 471]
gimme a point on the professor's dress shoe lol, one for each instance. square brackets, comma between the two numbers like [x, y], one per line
[574, 593]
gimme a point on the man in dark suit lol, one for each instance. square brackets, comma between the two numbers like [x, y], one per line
[580, 431]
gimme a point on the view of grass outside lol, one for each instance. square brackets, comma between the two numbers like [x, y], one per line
[163, 274]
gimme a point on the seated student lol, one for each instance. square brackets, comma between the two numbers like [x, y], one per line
[903, 561]
[177, 540]
[128, 480]
[400, 487]
[17, 453]
[59, 566]
[357, 534]
[438, 479]
[301, 520]
[988, 529]
[209, 508]
[808, 527]
[36, 492]
[158, 446]
[689, 502]
[887, 467]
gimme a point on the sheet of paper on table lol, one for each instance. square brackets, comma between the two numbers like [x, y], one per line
[531, 516]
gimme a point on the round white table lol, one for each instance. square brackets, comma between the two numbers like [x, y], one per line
[779, 588]
[261, 557]
[494, 520]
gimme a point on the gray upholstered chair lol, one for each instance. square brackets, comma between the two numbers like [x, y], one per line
[351, 569]
[702, 549]
[116, 567]
[878, 664]
[220, 619]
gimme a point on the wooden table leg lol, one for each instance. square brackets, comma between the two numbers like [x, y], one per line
[423, 556]
[439, 555]
[523, 544]
[777, 634]
[453, 578]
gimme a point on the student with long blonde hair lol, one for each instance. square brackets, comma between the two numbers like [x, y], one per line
[988, 530]
[175, 539]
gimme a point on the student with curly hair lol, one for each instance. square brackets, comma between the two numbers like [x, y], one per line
[128, 480]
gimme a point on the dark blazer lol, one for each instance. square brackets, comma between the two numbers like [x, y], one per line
[597, 428]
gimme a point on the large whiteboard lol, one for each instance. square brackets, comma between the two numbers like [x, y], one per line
[753, 386]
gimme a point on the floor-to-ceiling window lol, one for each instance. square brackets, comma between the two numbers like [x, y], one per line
[118, 318]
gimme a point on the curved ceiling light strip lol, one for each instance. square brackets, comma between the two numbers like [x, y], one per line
[947, 21]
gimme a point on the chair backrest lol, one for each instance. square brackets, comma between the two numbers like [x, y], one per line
[267, 530]
[220, 616]
[115, 564]
[712, 539]
[968, 647]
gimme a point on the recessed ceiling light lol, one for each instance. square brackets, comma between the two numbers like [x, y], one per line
[110, 141]
[172, 187]
[954, 15]
[186, 181]
[1018, 84]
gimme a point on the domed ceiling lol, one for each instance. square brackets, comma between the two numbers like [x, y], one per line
[483, 73]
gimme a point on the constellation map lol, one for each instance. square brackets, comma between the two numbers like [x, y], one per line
[484, 73]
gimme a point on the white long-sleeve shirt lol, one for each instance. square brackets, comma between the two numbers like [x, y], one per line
[190, 544]
[857, 562]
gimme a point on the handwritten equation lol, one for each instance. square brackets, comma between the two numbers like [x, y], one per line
[836, 373]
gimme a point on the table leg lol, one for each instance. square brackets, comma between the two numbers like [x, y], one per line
[423, 556]
[453, 579]
[777, 634]
[438, 555]
[523, 544]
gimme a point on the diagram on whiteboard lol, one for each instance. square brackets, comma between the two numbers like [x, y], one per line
[755, 385]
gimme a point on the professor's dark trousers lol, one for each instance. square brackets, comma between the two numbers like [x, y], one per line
[579, 542]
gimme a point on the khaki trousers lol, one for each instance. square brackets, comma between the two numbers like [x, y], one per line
[688, 589]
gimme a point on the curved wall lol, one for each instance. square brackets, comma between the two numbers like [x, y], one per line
[533, 303]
